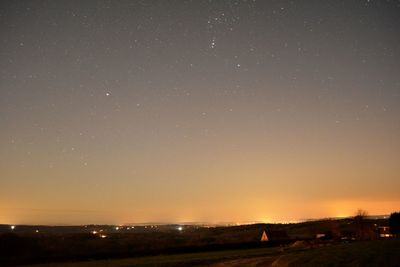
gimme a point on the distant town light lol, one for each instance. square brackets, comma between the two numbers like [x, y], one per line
[94, 232]
[386, 235]
[117, 228]
[103, 236]
[37, 231]
[12, 227]
[180, 228]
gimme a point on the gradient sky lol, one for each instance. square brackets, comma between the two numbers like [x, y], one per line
[137, 111]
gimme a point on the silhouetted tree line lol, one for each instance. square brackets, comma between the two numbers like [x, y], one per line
[394, 223]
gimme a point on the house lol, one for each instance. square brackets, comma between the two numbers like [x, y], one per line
[319, 236]
[384, 232]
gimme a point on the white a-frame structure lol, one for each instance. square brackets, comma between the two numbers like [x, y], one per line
[264, 237]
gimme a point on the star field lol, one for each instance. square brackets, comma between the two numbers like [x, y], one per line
[197, 110]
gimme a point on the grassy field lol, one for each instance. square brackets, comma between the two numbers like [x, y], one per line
[187, 259]
[368, 253]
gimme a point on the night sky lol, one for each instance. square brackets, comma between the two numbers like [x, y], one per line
[207, 111]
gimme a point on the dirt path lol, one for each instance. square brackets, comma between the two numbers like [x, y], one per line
[252, 262]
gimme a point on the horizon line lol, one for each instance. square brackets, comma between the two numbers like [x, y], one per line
[222, 223]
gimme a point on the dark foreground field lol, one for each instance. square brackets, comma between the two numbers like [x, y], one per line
[367, 253]
[192, 245]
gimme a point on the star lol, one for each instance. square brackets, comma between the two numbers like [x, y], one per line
[212, 45]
